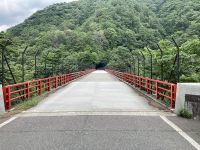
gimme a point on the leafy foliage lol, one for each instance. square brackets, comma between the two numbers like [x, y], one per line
[185, 113]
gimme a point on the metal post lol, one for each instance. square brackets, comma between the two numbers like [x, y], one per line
[133, 60]
[6, 60]
[126, 69]
[129, 68]
[23, 53]
[138, 65]
[173, 68]
[143, 62]
[151, 61]
[178, 60]
[134, 66]
[45, 61]
[2, 65]
[35, 75]
[161, 57]
[3, 48]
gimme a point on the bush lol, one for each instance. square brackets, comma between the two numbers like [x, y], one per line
[185, 113]
[27, 104]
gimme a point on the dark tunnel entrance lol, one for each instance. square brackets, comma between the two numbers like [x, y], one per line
[100, 66]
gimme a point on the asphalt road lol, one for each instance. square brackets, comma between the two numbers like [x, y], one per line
[114, 117]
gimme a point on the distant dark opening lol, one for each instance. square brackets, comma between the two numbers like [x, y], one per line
[100, 66]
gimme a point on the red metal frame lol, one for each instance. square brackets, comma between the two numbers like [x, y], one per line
[28, 89]
[160, 89]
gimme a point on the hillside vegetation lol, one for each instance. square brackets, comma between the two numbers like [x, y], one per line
[82, 34]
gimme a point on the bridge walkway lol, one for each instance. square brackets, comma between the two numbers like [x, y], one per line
[98, 91]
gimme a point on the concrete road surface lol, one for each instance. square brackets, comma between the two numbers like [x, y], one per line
[97, 112]
[98, 91]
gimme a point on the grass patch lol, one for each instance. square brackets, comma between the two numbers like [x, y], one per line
[27, 104]
[185, 113]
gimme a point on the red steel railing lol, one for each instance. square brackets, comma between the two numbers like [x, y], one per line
[27, 89]
[161, 89]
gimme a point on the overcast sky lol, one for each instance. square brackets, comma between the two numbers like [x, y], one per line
[13, 12]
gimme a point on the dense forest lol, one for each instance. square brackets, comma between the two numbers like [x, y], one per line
[68, 37]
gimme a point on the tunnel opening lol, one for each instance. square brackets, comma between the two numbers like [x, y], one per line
[100, 66]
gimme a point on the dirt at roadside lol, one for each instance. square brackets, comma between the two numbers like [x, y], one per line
[8, 115]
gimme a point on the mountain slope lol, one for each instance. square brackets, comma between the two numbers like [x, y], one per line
[126, 18]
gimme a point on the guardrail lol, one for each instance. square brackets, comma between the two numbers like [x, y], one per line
[160, 89]
[30, 88]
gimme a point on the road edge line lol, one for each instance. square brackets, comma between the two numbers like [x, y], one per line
[7, 121]
[181, 132]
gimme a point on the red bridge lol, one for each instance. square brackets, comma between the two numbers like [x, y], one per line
[96, 109]
[164, 92]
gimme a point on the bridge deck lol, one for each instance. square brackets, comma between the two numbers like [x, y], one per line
[98, 91]
[51, 125]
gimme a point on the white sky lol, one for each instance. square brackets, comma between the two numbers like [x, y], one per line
[13, 12]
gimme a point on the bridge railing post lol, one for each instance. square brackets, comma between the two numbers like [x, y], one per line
[59, 80]
[173, 95]
[39, 87]
[65, 79]
[62, 82]
[6, 93]
[69, 77]
[27, 90]
[132, 79]
[55, 82]
[157, 90]
[135, 81]
[49, 84]
[147, 85]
